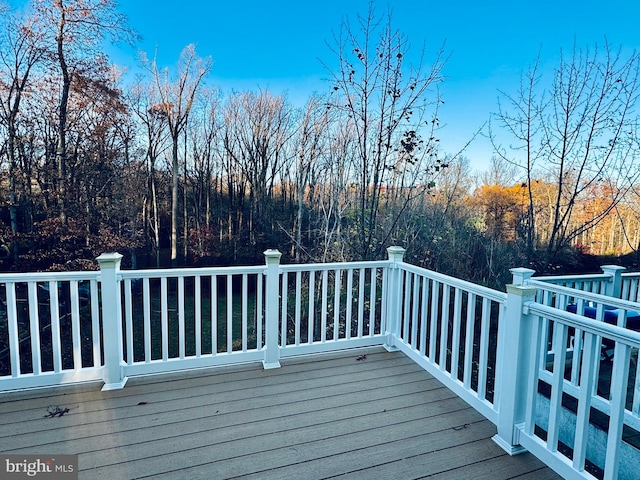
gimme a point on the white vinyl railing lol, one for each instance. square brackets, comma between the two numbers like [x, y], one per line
[578, 425]
[613, 282]
[49, 328]
[630, 288]
[187, 318]
[593, 283]
[451, 328]
[548, 362]
[583, 384]
[332, 306]
[151, 321]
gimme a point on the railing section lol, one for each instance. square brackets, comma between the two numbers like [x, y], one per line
[583, 389]
[614, 282]
[50, 329]
[594, 283]
[332, 306]
[451, 328]
[112, 324]
[186, 318]
[630, 289]
[550, 362]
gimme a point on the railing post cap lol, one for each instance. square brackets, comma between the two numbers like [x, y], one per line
[522, 270]
[395, 252]
[272, 255]
[521, 274]
[109, 258]
[612, 268]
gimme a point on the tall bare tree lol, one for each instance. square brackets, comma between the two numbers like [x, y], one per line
[177, 97]
[260, 128]
[580, 134]
[151, 115]
[21, 49]
[388, 102]
[310, 144]
[205, 133]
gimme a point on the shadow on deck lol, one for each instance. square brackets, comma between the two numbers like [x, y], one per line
[323, 416]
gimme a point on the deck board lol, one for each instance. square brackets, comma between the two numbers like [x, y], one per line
[320, 417]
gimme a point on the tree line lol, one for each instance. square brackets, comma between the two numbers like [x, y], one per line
[170, 171]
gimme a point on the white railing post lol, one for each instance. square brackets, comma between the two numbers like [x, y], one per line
[614, 287]
[516, 346]
[394, 296]
[111, 321]
[271, 346]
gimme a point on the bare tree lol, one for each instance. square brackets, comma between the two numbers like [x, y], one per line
[310, 144]
[205, 133]
[22, 49]
[386, 102]
[260, 128]
[501, 173]
[176, 100]
[332, 194]
[580, 134]
[146, 106]
[521, 117]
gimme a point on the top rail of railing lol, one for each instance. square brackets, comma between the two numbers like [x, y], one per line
[479, 290]
[249, 269]
[563, 279]
[190, 272]
[333, 266]
[573, 294]
[48, 276]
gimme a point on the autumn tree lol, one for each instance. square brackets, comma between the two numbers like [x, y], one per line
[75, 30]
[500, 206]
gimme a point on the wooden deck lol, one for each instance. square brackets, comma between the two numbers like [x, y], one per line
[318, 417]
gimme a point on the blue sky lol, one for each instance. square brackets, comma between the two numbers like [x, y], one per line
[279, 44]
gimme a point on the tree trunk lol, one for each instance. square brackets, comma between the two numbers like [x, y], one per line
[61, 148]
[175, 172]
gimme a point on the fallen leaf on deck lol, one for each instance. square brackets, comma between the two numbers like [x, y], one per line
[56, 411]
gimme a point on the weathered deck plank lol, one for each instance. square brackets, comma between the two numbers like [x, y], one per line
[324, 416]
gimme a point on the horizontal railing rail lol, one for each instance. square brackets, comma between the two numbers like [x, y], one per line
[593, 283]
